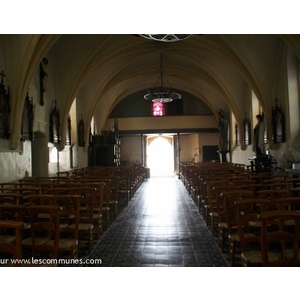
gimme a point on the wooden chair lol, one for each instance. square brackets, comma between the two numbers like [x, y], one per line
[59, 190]
[276, 237]
[12, 212]
[106, 206]
[267, 182]
[11, 198]
[39, 199]
[288, 203]
[294, 191]
[212, 193]
[294, 181]
[253, 187]
[259, 178]
[214, 189]
[98, 205]
[272, 194]
[13, 244]
[28, 190]
[113, 201]
[87, 198]
[124, 184]
[205, 196]
[44, 233]
[7, 190]
[230, 197]
[249, 228]
[16, 212]
[9, 185]
[69, 215]
[279, 186]
[242, 181]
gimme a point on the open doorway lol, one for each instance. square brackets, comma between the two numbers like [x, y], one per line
[160, 155]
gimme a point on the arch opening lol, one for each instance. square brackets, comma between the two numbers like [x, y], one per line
[160, 156]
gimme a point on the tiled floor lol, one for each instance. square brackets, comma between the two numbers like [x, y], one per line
[160, 227]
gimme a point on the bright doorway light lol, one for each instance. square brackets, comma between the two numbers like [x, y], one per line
[160, 156]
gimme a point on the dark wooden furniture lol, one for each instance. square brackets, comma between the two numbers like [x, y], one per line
[104, 150]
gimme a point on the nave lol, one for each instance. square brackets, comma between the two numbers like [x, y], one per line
[161, 227]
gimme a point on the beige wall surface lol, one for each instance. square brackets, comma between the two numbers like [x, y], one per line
[157, 123]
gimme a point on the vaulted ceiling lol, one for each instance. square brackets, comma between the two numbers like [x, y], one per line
[221, 70]
[102, 70]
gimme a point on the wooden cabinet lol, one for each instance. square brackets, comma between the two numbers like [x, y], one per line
[104, 149]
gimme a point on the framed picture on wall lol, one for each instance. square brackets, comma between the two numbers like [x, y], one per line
[27, 120]
[278, 124]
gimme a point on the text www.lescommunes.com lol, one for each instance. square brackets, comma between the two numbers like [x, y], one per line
[51, 261]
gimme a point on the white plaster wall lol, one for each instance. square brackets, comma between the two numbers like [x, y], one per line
[64, 159]
[15, 164]
[239, 156]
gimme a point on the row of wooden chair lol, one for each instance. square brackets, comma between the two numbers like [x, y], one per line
[220, 189]
[26, 202]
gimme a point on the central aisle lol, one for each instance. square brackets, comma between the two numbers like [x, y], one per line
[160, 227]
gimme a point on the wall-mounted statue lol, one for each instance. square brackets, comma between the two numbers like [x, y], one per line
[258, 141]
[43, 78]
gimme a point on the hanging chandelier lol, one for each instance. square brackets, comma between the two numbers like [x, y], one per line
[162, 95]
[167, 37]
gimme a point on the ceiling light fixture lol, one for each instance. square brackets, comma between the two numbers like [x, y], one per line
[167, 37]
[163, 95]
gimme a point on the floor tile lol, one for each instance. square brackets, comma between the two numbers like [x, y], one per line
[161, 227]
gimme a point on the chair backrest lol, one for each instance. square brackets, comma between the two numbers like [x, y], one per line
[87, 199]
[12, 247]
[289, 203]
[44, 231]
[99, 197]
[281, 238]
[69, 213]
[29, 190]
[8, 189]
[12, 212]
[279, 186]
[253, 187]
[230, 197]
[11, 198]
[247, 220]
[39, 199]
[59, 190]
[272, 194]
[214, 188]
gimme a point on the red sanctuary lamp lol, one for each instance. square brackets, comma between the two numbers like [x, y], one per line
[158, 109]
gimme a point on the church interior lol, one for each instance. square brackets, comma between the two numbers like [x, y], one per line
[104, 119]
[88, 83]
[149, 165]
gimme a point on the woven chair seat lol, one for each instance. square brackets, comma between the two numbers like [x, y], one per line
[38, 241]
[7, 239]
[255, 257]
